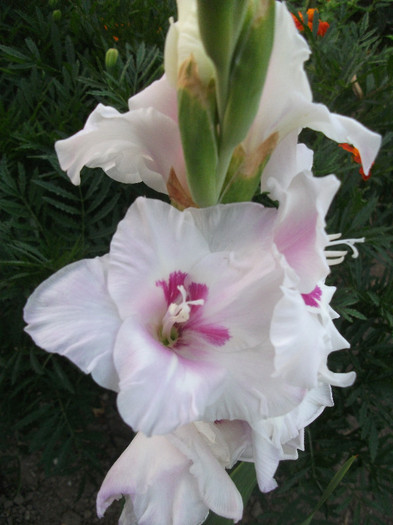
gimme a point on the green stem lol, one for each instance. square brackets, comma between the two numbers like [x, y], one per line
[222, 76]
[224, 159]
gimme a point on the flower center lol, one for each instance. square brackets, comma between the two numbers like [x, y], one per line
[177, 312]
[184, 324]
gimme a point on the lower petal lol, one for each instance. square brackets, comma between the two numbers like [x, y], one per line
[159, 389]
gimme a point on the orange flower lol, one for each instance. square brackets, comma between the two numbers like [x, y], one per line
[322, 26]
[115, 38]
[356, 158]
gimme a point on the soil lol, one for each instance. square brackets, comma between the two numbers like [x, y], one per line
[30, 497]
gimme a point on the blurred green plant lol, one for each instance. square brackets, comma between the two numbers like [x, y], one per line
[53, 73]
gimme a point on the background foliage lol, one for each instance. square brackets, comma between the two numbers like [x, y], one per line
[53, 74]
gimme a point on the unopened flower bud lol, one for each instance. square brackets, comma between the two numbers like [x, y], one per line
[183, 42]
[111, 57]
[56, 15]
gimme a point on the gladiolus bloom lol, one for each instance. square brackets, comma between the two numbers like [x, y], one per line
[195, 315]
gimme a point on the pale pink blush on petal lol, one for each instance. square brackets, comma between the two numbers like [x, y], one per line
[160, 95]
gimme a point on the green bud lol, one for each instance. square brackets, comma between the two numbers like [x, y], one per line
[111, 57]
[245, 169]
[220, 23]
[248, 72]
[196, 113]
[56, 15]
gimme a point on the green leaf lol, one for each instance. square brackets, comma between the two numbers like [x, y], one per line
[334, 482]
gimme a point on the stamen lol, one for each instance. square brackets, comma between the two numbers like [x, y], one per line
[177, 313]
[337, 257]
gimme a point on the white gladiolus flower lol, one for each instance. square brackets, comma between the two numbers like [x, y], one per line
[195, 315]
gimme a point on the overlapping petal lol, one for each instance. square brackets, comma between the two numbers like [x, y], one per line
[130, 147]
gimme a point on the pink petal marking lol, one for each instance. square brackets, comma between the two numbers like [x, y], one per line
[312, 298]
[170, 287]
[197, 291]
[216, 335]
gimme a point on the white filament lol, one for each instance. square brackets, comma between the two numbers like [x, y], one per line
[337, 256]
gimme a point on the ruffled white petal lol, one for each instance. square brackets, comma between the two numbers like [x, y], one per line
[279, 438]
[251, 391]
[298, 337]
[140, 145]
[72, 314]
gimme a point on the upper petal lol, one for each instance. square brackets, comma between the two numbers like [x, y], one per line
[140, 145]
[279, 438]
[152, 241]
[159, 95]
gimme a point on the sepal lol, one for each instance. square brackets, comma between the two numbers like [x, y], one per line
[244, 172]
[196, 113]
